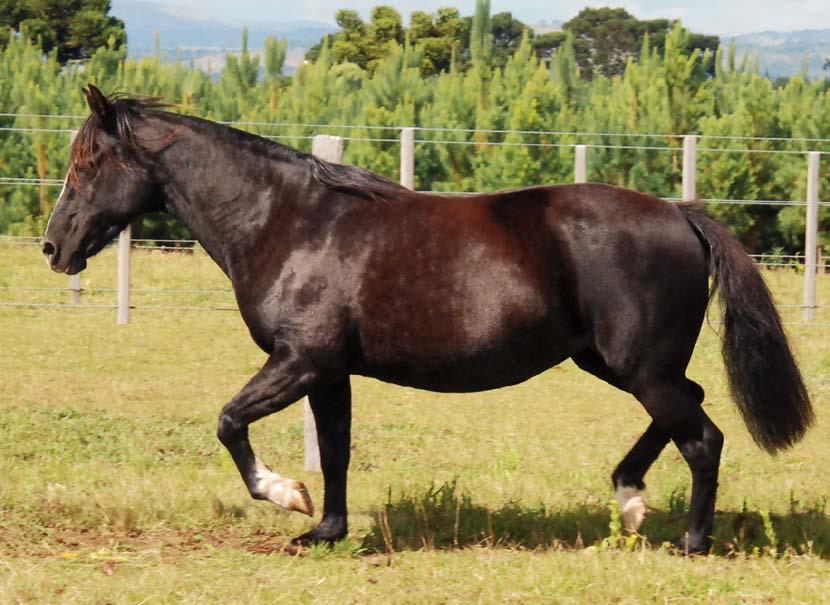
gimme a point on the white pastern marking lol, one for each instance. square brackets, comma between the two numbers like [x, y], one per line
[273, 486]
[632, 506]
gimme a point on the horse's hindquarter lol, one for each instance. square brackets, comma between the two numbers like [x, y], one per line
[642, 279]
[465, 294]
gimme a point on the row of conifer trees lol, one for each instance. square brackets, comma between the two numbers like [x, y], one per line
[469, 110]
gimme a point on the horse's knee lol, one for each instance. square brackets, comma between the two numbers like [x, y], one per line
[228, 428]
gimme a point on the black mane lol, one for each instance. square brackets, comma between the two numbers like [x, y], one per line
[91, 147]
[88, 147]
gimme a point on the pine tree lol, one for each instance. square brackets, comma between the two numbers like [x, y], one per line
[275, 52]
[665, 89]
[238, 78]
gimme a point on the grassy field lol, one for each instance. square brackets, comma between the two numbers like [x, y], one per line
[114, 489]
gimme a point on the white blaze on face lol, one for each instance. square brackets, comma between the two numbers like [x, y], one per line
[51, 214]
[57, 203]
[632, 506]
[63, 189]
[65, 181]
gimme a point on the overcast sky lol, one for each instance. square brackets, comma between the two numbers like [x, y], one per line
[705, 16]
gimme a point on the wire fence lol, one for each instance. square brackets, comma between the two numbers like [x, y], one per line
[544, 144]
[189, 246]
[212, 298]
[445, 129]
[794, 262]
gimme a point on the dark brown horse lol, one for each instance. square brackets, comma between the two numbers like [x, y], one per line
[338, 271]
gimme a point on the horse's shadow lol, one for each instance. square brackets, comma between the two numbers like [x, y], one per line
[442, 518]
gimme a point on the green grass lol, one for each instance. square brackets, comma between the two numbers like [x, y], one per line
[113, 487]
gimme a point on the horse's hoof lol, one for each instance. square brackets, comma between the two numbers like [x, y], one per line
[282, 491]
[299, 499]
[328, 532]
[309, 538]
[684, 547]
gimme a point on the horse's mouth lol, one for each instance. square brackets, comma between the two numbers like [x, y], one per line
[78, 259]
[76, 264]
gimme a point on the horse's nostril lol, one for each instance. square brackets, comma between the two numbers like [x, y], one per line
[48, 248]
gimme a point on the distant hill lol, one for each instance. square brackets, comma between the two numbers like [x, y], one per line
[190, 37]
[782, 53]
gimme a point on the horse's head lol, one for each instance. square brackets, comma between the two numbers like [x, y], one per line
[108, 185]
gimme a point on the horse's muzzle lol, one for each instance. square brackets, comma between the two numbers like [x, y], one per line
[75, 264]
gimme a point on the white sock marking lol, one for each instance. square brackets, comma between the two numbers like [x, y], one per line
[632, 506]
[273, 486]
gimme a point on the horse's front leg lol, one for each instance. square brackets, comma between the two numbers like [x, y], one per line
[332, 407]
[285, 378]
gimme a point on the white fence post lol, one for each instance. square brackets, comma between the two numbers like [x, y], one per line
[580, 164]
[811, 236]
[329, 148]
[408, 157]
[75, 289]
[74, 280]
[123, 287]
[312, 448]
[689, 168]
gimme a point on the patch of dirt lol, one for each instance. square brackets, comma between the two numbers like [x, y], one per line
[164, 544]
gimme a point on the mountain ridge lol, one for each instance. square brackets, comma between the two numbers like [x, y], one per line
[782, 53]
[189, 36]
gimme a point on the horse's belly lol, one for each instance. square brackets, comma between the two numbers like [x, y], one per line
[487, 316]
[440, 365]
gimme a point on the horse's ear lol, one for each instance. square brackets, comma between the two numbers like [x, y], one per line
[98, 103]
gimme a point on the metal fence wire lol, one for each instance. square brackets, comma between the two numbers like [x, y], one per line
[331, 147]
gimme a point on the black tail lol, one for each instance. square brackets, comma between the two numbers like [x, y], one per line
[763, 376]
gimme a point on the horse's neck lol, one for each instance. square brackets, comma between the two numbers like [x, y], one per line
[226, 195]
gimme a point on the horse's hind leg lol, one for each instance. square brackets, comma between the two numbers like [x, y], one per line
[627, 478]
[675, 409]
[284, 379]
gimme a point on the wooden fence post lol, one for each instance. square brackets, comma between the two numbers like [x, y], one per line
[580, 164]
[408, 157]
[811, 236]
[689, 168]
[329, 148]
